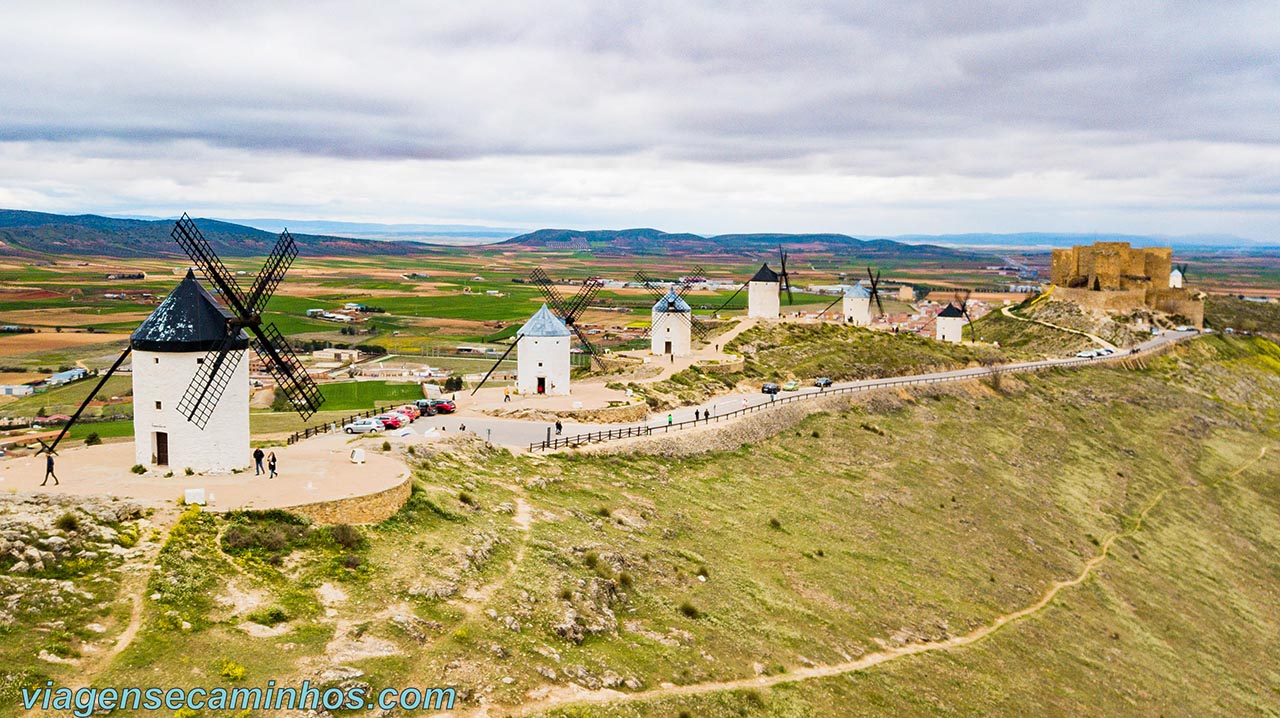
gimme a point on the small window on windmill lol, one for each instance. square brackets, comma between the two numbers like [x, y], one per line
[539, 363]
[157, 360]
[199, 360]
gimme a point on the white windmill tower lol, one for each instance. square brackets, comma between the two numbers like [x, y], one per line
[671, 326]
[856, 305]
[542, 355]
[169, 350]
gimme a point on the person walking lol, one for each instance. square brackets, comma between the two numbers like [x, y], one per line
[48, 471]
[697, 414]
[258, 456]
[670, 418]
[506, 395]
[271, 464]
[559, 427]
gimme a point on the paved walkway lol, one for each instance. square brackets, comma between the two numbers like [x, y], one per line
[318, 469]
[1094, 337]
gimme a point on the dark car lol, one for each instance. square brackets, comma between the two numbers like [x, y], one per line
[424, 405]
[770, 388]
[823, 382]
[443, 406]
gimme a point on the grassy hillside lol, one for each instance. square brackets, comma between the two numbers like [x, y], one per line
[1026, 340]
[897, 524]
[1221, 312]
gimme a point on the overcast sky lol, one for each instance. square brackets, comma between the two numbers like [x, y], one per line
[857, 117]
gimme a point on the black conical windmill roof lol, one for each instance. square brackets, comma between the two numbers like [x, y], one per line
[188, 320]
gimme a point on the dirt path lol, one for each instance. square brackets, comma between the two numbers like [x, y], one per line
[1097, 339]
[576, 695]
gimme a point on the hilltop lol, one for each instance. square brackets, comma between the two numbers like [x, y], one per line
[642, 241]
[38, 233]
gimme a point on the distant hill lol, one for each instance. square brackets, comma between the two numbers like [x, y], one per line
[643, 241]
[1024, 240]
[38, 233]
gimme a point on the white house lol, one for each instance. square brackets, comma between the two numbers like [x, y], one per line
[762, 294]
[17, 390]
[1175, 279]
[542, 355]
[949, 325]
[169, 347]
[671, 326]
[856, 305]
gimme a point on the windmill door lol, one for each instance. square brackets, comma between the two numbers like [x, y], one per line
[542, 385]
[666, 349]
[162, 448]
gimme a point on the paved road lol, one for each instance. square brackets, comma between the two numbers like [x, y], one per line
[521, 433]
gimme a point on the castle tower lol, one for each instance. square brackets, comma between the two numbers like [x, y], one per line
[671, 326]
[542, 356]
[856, 305]
[168, 349]
[762, 294]
[949, 325]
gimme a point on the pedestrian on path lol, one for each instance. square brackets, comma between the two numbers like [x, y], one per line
[271, 464]
[697, 415]
[48, 471]
[257, 461]
[744, 402]
[506, 395]
[670, 418]
[559, 427]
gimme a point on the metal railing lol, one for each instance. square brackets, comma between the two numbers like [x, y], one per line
[961, 375]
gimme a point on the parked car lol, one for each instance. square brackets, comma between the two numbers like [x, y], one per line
[424, 405]
[770, 388]
[823, 382]
[404, 418]
[443, 406]
[363, 426]
[1086, 354]
[389, 421]
[410, 410]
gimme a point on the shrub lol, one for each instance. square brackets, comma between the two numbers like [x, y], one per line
[232, 671]
[702, 571]
[774, 523]
[603, 511]
[386, 445]
[467, 499]
[189, 471]
[566, 594]
[92, 439]
[690, 610]
[625, 580]
[269, 617]
[592, 559]
[139, 469]
[352, 561]
[346, 536]
[68, 522]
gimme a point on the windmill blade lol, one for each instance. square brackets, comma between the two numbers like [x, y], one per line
[587, 346]
[52, 448]
[287, 370]
[496, 364]
[549, 292]
[733, 296]
[212, 377]
[649, 283]
[875, 291]
[832, 304]
[193, 243]
[786, 278]
[581, 300]
[278, 262]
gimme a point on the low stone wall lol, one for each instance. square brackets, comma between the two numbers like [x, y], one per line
[626, 414]
[725, 367]
[367, 509]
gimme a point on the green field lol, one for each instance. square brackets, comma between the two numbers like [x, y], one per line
[359, 395]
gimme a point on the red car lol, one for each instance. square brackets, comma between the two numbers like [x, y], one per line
[443, 406]
[388, 421]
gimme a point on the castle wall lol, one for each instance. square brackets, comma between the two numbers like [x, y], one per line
[1119, 300]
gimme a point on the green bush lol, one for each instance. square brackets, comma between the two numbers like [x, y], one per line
[269, 617]
[346, 536]
[690, 610]
[386, 446]
[92, 439]
[139, 469]
[68, 522]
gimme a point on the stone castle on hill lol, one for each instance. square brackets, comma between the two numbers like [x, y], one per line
[1112, 276]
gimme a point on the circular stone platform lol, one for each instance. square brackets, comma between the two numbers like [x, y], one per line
[316, 471]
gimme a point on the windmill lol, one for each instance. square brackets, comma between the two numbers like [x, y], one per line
[764, 300]
[1178, 276]
[872, 290]
[698, 327]
[569, 309]
[950, 321]
[217, 329]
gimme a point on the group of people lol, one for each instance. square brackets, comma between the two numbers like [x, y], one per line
[258, 456]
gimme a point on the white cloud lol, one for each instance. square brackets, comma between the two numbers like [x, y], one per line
[857, 117]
